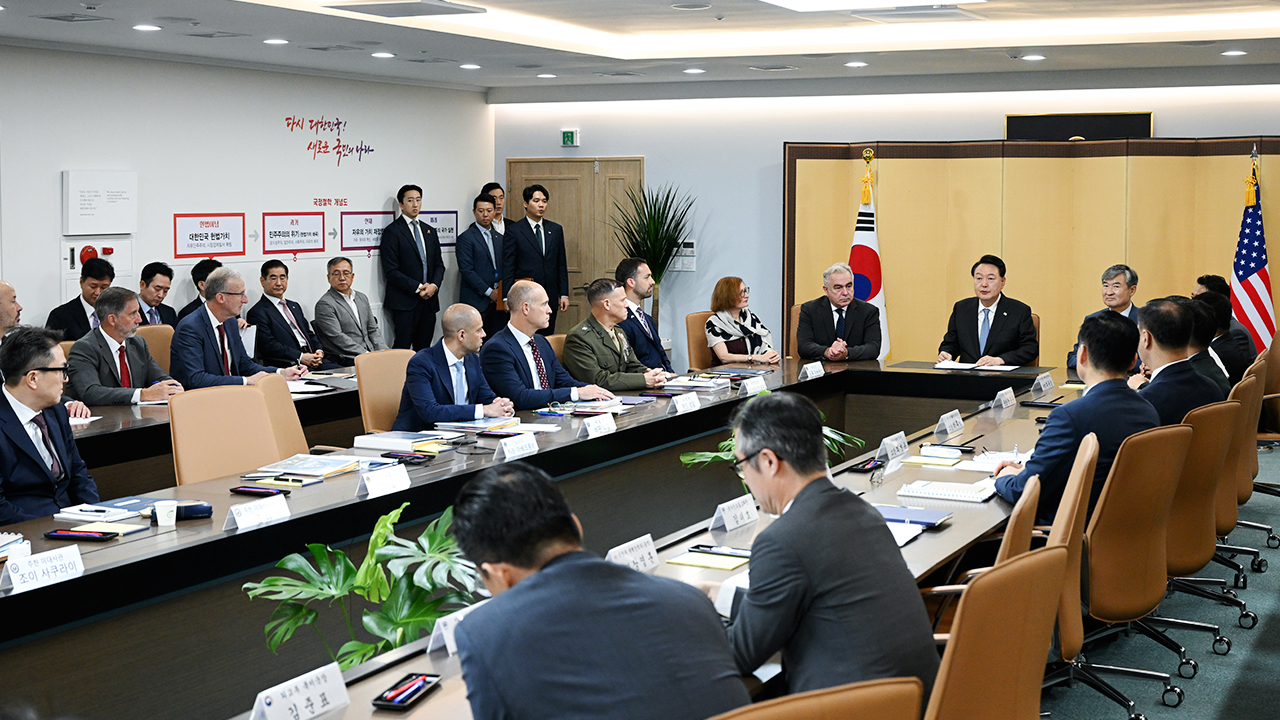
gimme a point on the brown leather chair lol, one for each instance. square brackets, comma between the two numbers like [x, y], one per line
[220, 431]
[793, 323]
[159, 338]
[1035, 320]
[557, 344]
[695, 333]
[1248, 470]
[380, 380]
[290, 439]
[1225, 502]
[887, 699]
[66, 347]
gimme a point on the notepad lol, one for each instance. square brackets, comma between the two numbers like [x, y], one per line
[964, 492]
[904, 533]
[922, 460]
[121, 528]
[707, 560]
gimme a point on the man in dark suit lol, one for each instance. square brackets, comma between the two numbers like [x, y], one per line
[520, 364]
[413, 269]
[206, 348]
[838, 326]
[828, 585]
[1238, 332]
[647, 648]
[534, 249]
[1108, 408]
[76, 317]
[479, 254]
[1201, 357]
[157, 278]
[989, 329]
[500, 220]
[445, 383]
[199, 272]
[640, 327]
[1119, 283]
[40, 467]
[1175, 388]
[285, 338]
[113, 366]
[1234, 359]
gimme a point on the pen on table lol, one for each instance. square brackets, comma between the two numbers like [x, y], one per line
[97, 510]
[1057, 398]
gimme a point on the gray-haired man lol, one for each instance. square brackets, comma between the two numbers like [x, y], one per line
[838, 326]
[1119, 284]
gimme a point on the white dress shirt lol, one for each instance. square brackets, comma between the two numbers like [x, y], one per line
[114, 347]
[1160, 369]
[88, 310]
[1214, 354]
[537, 228]
[993, 307]
[290, 320]
[499, 224]
[25, 414]
[456, 367]
[835, 316]
[231, 358]
[633, 307]
[525, 341]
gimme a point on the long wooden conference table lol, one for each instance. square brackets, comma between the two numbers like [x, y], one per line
[168, 632]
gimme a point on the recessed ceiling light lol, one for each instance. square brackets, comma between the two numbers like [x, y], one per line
[276, 41]
[1032, 58]
[855, 64]
[691, 6]
[146, 28]
[833, 5]
[470, 66]
[694, 71]
[546, 76]
[1235, 53]
[383, 55]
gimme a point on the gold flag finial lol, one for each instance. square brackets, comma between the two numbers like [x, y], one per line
[867, 155]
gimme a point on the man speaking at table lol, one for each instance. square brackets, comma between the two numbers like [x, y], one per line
[990, 328]
[838, 326]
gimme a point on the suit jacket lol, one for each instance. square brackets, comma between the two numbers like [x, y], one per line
[71, 319]
[28, 489]
[195, 358]
[190, 307]
[1071, 354]
[522, 257]
[95, 370]
[168, 316]
[1012, 337]
[1203, 363]
[1233, 356]
[508, 373]
[1244, 340]
[648, 349]
[476, 268]
[1110, 409]
[592, 358]
[276, 344]
[427, 397]
[401, 259]
[829, 588]
[342, 334]
[649, 648]
[1177, 390]
[817, 329]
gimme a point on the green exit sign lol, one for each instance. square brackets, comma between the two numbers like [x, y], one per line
[569, 138]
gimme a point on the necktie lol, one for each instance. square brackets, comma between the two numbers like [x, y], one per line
[294, 324]
[984, 330]
[422, 247]
[222, 342]
[488, 240]
[155, 317]
[537, 231]
[126, 380]
[93, 320]
[537, 362]
[55, 466]
[644, 324]
[616, 344]
[840, 323]
[459, 383]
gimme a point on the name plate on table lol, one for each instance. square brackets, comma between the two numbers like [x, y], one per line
[305, 696]
[752, 386]
[517, 446]
[949, 424]
[442, 634]
[376, 483]
[892, 450]
[1042, 386]
[42, 569]
[682, 404]
[639, 554]
[594, 427]
[812, 370]
[258, 512]
[1004, 399]
[735, 513]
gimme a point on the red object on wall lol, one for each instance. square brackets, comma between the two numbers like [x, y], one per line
[108, 251]
[87, 252]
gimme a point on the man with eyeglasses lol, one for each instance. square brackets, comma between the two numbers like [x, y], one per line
[207, 350]
[40, 468]
[345, 321]
[838, 326]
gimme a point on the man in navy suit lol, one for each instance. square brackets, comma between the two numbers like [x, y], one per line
[500, 221]
[285, 337]
[1108, 408]
[1176, 388]
[533, 249]
[640, 327]
[1119, 283]
[1237, 332]
[479, 255]
[40, 468]
[76, 317]
[646, 647]
[1235, 360]
[991, 328]
[157, 278]
[206, 348]
[413, 269]
[520, 364]
[444, 383]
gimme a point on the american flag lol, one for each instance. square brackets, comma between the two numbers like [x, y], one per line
[1250, 282]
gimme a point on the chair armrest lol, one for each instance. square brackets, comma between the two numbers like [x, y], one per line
[939, 590]
[325, 449]
[971, 574]
[941, 639]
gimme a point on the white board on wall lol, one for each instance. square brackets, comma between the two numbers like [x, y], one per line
[98, 202]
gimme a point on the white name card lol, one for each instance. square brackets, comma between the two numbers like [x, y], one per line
[597, 425]
[42, 569]
[639, 554]
[517, 446]
[442, 634]
[376, 483]
[949, 424]
[752, 386]
[812, 370]
[258, 512]
[893, 447]
[1004, 399]
[735, 513]
[1042, 386]
[682, 404]
[306, 696]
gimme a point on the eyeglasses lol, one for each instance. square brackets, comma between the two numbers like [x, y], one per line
[746, 291]
[242, 295]
[62, 370]
[737, 465]
[341, 274]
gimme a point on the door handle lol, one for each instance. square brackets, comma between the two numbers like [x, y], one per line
[583, 287]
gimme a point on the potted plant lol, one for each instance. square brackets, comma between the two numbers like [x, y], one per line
[652, 225]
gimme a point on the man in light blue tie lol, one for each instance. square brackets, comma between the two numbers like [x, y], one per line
[990, 328]
[413, 268]
[479, 254]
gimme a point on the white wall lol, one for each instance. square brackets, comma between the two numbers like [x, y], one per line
[213, 140]
[728, 154]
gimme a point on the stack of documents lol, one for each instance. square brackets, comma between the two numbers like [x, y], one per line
[419, 442]
[313, 466]
[480, 425]
[94, 513]
[300, 387]
[914, 515]
[965, 492]
[953, 365]
[696, 384]
[13, 541]
[598, 404]
[120, 529]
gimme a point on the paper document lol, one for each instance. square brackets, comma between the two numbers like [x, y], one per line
[302, 386]
[84, 421]
[953, 365]
[707, 560]
[904, 533]
[977, 466]
[995, 457]
[153, 402]
[525, 427]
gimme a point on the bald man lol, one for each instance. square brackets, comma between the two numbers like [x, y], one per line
[444, 383]
[10, 318]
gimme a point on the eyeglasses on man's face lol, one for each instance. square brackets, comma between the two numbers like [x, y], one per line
[341, 274]
[738, 464]
[62, 369]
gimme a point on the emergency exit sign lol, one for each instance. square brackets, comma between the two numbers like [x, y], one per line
[569, 138]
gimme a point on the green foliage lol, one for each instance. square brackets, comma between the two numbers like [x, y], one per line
[835, 440]
[288, 617]
[652, 225]
[440, 562]
[371, 580]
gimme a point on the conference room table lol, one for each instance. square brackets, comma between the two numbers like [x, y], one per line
[169, 606]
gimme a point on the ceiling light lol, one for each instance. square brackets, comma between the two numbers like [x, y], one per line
[855, 64]
[546, 76]
[470, 66]
[693, 71]
[276, 41]
[691, 6]
[834, 5]
[146, 28]
[1235, 53]
[1032, 58]
[383, 55]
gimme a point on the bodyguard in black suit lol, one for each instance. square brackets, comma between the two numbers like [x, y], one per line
[838, 326]
[479, 254]
[1236, 329]
[568, 635]
[1234, 359]
[640, 327]
[1010, 334]
[1175, 388]
[534, 249]
[284, 341]
[413, 269]
[77, 317]
[157, 278]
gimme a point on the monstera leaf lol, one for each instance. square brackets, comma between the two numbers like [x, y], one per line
[440, 562]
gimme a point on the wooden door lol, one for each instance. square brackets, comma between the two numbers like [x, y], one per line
[583, 192]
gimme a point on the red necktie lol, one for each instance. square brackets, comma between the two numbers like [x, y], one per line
[537, 362]
[222, 340]
[41, 423]
[125, 379]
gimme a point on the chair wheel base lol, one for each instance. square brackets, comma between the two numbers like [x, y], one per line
[1221, 645]
[1258, 565]
[1247, 620]
[1172, 696]
[1241, 581]
[1273, 541]
[1188, 668]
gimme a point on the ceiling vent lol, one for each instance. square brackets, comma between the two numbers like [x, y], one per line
[774, 68]
[332, 48]
[937, 13]
[620, 73]
[430, 61]
[72, 18]
[406, 8]
[216, 35]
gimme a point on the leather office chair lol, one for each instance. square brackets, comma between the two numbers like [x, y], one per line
[1035, 320]
[1226, 506]
[695, 333]
[290, 438]
[220, 431]
[159, 338]
[557, 344]
[887, 699]
[1248, 470]
[793, 322]
[66, 347]
[380, 381]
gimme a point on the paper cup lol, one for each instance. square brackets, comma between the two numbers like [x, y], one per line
[166, 512]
